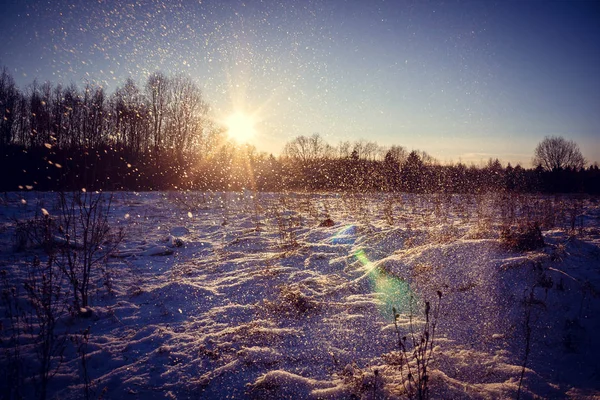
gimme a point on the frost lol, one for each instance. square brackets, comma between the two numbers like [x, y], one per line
[228, 309]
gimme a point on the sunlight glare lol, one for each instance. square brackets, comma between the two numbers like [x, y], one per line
[240, 126]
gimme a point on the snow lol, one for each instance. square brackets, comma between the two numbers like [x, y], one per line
[249, 295]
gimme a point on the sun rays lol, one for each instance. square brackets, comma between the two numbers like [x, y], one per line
[240, 126]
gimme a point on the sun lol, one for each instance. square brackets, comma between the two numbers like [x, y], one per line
[240, 126]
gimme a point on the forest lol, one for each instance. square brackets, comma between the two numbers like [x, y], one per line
[161, 136]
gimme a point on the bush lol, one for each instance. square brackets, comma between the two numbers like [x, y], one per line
[523, 238]
[86, 240]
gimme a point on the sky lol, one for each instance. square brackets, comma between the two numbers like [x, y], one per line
[461, 80]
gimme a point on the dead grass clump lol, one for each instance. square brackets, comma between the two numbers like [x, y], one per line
[367, 383]
[444, 234]
[287, 224]
[36, 232]
[291, 302]
[523, 238]
[420, 269]
[326, 223]
[297, 300]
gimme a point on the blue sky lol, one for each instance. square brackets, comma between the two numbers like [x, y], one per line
[462, 80]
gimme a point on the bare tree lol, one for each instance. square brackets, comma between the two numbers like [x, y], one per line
[94, 105]
[72, 116]
[22, 121]
[57, 115]
[396, 154]
[555, 153]
[131, 122]
[306, 149]
[9, 96]
[344, 149]
[365, 150]
[187, 112]
[157, 92]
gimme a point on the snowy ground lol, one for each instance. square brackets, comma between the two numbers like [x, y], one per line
[245, 295]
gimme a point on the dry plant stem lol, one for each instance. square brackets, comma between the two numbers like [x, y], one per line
[287, 224]
[82, 351]
[529, 303]
[256, 210]
[43, 288]
[422, 350]
[403, 352]
[11, 361]
[388, 211]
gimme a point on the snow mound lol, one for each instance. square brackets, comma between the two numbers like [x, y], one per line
[286, 385]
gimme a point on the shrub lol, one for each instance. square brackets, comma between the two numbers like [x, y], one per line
[523, 238]
[86, 240]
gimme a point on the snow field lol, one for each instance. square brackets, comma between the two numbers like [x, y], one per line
[245, 295]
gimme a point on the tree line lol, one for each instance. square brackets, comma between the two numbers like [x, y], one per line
[159, 136]
[168, 114]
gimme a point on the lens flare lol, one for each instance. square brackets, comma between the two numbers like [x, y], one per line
[394, 292]
[345, 236]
